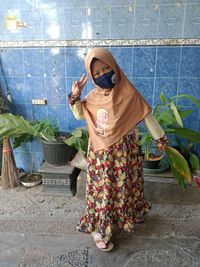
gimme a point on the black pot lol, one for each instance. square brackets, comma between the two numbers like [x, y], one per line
[57, 152]
[151, 164]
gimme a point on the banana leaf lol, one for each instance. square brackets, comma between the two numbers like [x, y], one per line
[179, 166]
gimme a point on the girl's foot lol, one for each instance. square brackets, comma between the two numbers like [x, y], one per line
[101, 244]
[139, 219]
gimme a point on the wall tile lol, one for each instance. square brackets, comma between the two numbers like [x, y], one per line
[145, 87]
[3, 24]
[168, 61]
[17, 89]
[77, 68]
[167, 85]
[77, 3]
[122, 23]
[75, 23]
[35, 88]
[23, 160]
[189, 86]
[192, 21]
[58, 116]
[144, 62]
[190, 66]
[39, 112]
[146, 22]
[49, 4]
[123, 57]
[55, 90]
[97, 3]
[54, 60]
[12, 62]
[146, 2]
[33, 31]
[54, 23]
[19, 109]
[191, 121]
[98, 25]
[171, 21]
[172, 2]
[34, 62]
[73, 122]
[122, 2]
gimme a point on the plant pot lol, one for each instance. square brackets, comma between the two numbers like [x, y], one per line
[152, 163]
[57, 152]
[31, 179]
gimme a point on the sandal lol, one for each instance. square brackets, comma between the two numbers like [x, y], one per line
[139, 219]
[101, 244]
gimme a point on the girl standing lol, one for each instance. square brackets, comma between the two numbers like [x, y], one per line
[114, 187]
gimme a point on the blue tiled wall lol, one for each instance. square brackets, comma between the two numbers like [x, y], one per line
[48, 72]
[102, 19]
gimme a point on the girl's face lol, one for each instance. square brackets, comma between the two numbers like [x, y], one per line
[99, 68]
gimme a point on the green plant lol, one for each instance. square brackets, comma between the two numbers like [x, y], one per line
[79, 139]
[15, 126]
[170, 116]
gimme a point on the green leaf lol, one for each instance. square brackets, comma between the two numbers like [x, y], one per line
[79, 139]
[178, 164]
[191, 98]
[191, 135]
[194, 162]
[166, 118]
[184, 113]
[176, 114]
[15, 126]
[163, 98]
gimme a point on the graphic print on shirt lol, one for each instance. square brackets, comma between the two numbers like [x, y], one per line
[101, 122]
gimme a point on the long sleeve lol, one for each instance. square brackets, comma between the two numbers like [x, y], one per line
[77, 110]
[154, 127]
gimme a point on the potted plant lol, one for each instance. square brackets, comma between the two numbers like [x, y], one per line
[170, 116]
[54, 148]
[78, 139]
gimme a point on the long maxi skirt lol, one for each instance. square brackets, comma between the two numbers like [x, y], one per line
[114, 188]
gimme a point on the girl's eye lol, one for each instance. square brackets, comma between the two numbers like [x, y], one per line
[96, 74]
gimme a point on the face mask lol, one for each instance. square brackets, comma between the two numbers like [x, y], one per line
[107, 80]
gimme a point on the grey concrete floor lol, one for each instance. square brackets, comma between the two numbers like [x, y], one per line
[37, 229]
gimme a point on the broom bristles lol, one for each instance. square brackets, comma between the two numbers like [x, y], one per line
[9, 174]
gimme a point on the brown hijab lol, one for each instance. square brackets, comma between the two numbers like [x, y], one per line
[110, 117]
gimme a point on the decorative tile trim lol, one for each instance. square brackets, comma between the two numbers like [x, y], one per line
[91, 43]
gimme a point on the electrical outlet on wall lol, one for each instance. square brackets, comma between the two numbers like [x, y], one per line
[39, 101]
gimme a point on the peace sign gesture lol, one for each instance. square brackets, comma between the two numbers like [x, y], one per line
[77, 86]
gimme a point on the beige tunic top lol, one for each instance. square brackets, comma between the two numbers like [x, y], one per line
[150, 122]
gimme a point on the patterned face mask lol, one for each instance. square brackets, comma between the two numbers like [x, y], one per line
[107, 80]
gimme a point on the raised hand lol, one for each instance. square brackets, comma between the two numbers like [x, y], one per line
[77, 86]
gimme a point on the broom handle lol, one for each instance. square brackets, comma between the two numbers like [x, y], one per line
[6, 145]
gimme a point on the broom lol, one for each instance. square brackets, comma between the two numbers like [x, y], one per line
[9, 174]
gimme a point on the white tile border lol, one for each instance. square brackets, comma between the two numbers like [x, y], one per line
[91, 43]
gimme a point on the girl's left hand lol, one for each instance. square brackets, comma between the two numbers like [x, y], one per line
[162, 143]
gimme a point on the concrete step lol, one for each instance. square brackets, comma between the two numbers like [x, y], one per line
[158, 188]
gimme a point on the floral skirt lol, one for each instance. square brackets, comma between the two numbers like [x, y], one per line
[114, 188]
